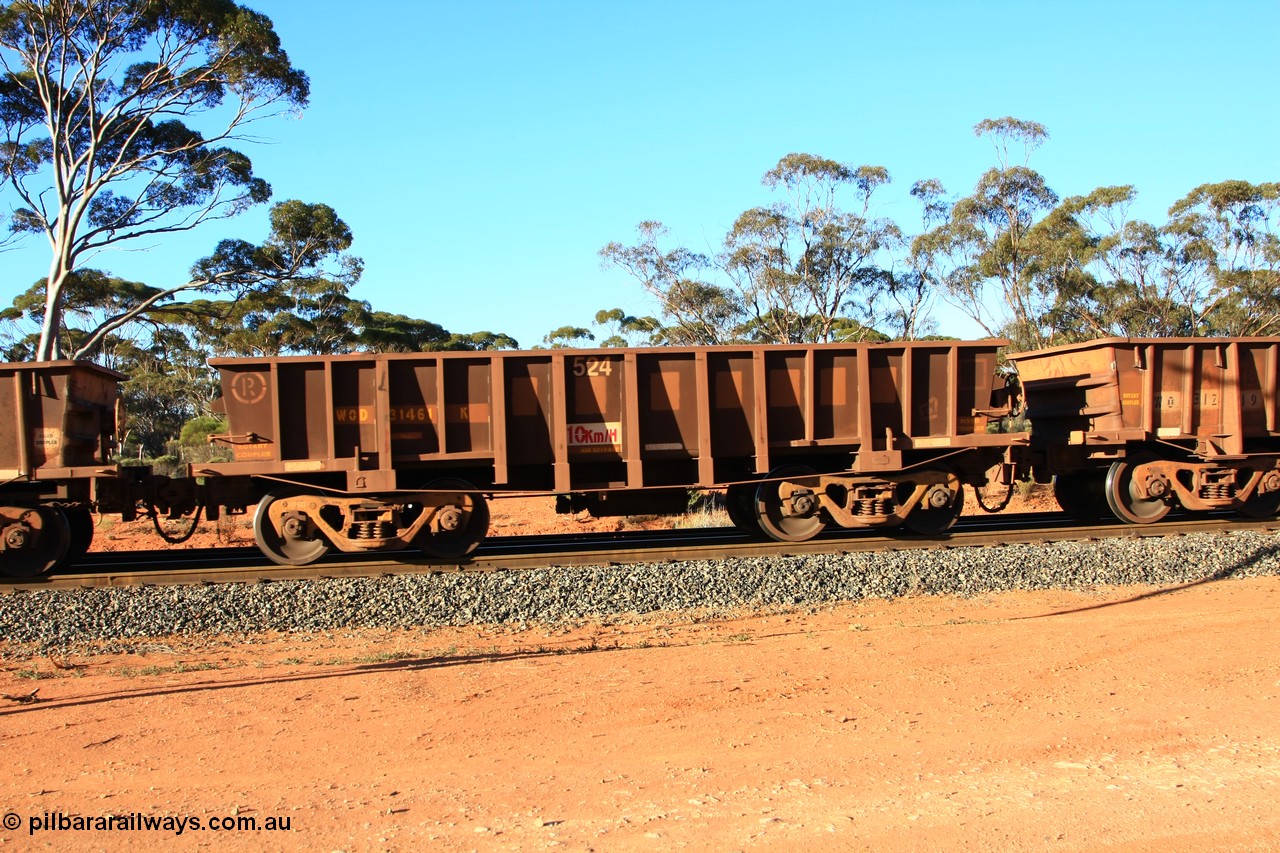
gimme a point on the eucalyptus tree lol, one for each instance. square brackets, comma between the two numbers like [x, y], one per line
[91, 296]
[169, 384]
[807, 268]
[913, 281]
[299, 274]
[1212, 269]
[119, 120]
[803, 264]
[567, 336]
[314, 316]
[984, 253]
[382, 331]
[483, 340]
[1225, 253]
[386, 332]
[1111, 274]
[698, 312]
[620, 329]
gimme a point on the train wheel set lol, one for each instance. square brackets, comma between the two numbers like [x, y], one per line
[294, 526]
[36, 539]
[385, 453]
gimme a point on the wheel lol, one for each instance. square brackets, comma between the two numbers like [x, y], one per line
[1127, 500]
[80, 525]
[787, 512]
[35, 540]
[1081, 494]
[1264, 505]
[938, 509]
[456, 529]
[291, 539]
[740, 504]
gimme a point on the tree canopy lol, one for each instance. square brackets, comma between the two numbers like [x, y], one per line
[123, 122]
[1013, 256]
[811, 266]
[119, 120]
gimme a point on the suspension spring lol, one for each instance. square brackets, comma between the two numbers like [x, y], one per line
[1217, 491]
[871, 507]
[370, 530]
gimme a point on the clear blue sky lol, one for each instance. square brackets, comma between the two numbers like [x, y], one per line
[483, 152]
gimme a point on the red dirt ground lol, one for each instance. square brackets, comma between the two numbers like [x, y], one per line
[1133, 719]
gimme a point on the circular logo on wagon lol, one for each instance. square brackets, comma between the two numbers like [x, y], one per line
[248, 388]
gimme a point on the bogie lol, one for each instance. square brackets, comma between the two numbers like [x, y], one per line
[296, 527]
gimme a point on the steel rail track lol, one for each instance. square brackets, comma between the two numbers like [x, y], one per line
[246, 565]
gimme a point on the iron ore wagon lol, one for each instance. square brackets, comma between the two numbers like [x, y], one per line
[1143, 425]
[389, 451]
[58, 425]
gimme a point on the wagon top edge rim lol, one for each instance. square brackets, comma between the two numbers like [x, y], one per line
[615, 352]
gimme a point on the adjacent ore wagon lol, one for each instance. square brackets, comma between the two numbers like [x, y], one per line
[1143, 425]
[56, 442]
[389, 451]
[58, 425]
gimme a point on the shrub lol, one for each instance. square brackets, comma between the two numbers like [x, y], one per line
[196, 432]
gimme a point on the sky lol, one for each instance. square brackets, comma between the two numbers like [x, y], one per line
[483, 152]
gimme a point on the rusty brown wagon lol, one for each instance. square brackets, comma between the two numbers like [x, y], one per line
[56, 439]
[390, 451]
[1145, 425]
